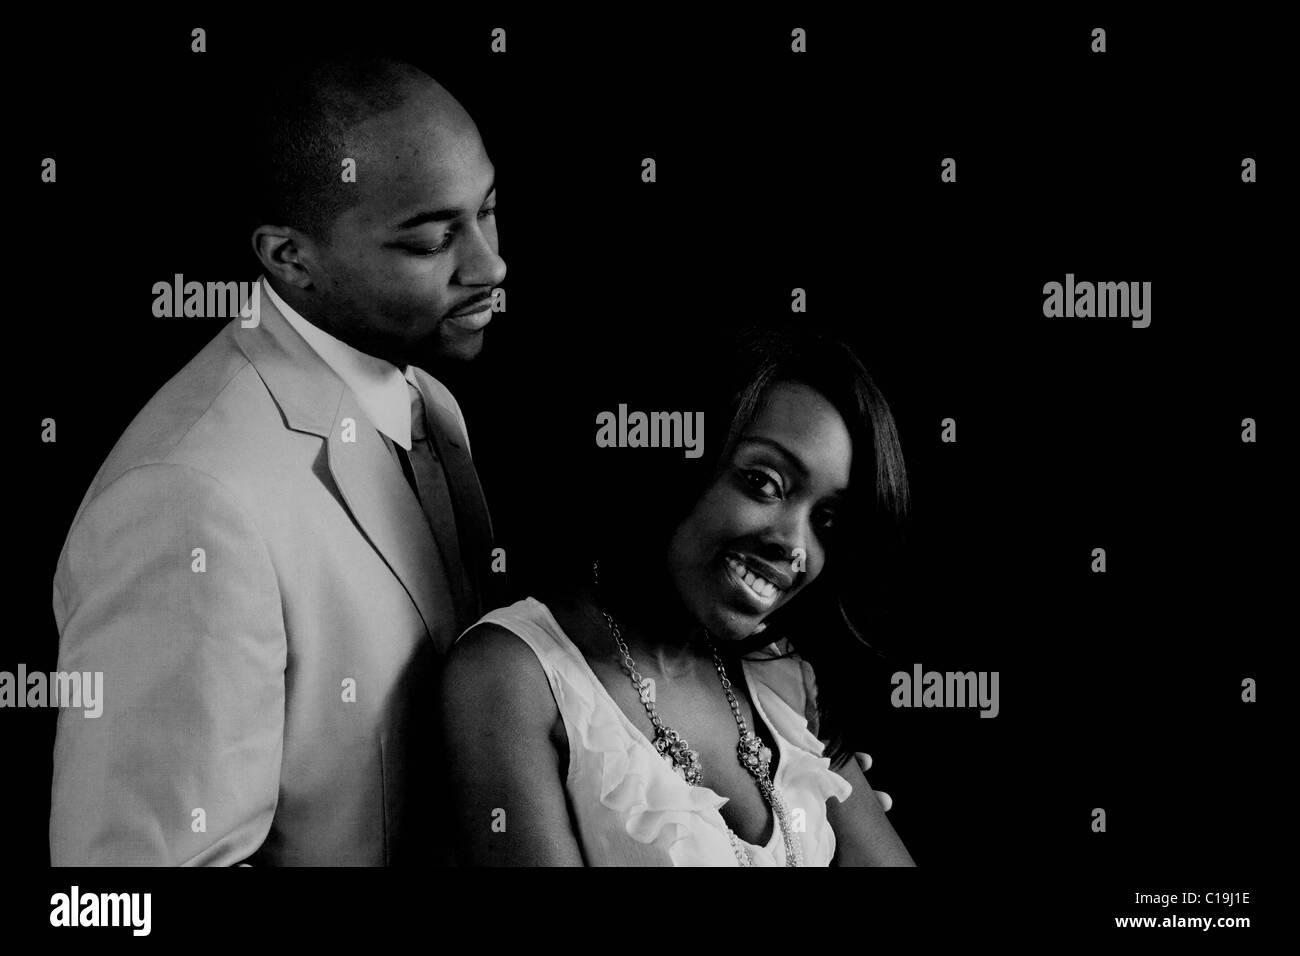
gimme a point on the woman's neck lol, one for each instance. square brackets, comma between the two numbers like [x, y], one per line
[653, 621]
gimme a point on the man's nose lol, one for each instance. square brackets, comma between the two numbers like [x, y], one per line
[482, 265]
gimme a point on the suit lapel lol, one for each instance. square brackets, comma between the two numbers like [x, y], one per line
[383, 505]
[313, 399]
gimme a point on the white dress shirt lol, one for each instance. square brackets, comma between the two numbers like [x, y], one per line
[380, 386]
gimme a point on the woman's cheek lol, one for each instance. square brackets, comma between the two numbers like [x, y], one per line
[713, 516]
[816, 561]
[738, 513]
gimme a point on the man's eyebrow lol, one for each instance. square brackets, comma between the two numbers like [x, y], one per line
[437, 215]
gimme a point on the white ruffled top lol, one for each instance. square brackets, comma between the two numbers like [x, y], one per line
[628, 805]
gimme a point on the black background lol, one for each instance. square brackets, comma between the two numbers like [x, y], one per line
[777, 170]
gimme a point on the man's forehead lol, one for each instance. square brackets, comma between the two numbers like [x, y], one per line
[423, 168]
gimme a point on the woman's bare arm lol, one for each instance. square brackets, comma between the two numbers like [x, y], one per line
[506, 773]
[863, 835]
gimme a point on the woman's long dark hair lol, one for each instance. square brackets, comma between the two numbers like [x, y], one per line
[634, 499]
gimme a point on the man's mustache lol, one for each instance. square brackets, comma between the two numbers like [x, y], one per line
[473, 304]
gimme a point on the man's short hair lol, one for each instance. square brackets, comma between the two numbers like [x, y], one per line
[302, 135]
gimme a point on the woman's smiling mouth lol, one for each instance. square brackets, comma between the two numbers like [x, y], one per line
[760, 592]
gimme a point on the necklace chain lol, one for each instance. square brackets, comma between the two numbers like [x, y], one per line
[753, 755]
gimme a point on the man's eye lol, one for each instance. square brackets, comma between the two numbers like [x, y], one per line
[429, 250]
[761, 481]
[451, 236]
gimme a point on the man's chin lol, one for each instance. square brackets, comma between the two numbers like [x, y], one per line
[457, 345]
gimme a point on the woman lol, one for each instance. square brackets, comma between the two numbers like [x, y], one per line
[664, 705]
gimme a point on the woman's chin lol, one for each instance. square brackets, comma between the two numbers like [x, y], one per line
[727, 624]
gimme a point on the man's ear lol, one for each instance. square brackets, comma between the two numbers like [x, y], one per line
[285, 253]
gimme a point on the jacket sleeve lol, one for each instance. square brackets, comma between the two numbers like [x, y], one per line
[182, 764]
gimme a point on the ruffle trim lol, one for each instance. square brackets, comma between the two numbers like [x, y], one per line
[659, 808]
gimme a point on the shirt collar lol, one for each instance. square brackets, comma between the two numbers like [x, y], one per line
[380, 387]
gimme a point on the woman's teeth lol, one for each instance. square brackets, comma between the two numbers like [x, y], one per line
[759, 585]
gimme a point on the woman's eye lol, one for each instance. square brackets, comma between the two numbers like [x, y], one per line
[485, 213]
[761, 482]
[830, 524]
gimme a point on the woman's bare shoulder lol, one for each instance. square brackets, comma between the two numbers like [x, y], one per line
[494, 672]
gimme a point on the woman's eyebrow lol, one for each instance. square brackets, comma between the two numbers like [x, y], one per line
[795, 461]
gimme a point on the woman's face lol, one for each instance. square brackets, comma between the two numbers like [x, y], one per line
[732, 559]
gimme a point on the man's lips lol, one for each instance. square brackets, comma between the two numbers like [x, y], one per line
[476, 306]
[472, 318]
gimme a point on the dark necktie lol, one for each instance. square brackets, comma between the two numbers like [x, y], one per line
[439, 501]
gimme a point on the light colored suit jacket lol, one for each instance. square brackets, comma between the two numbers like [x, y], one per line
[270, 698]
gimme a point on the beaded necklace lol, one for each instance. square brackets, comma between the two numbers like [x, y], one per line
[753, 755]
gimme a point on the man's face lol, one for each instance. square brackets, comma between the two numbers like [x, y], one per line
[409, 270]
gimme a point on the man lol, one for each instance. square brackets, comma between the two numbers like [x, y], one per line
[275, 554]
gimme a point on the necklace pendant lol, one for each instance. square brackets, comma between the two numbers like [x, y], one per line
[754, 755]
[674, 749]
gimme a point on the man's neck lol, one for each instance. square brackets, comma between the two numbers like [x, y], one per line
[349, 334]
